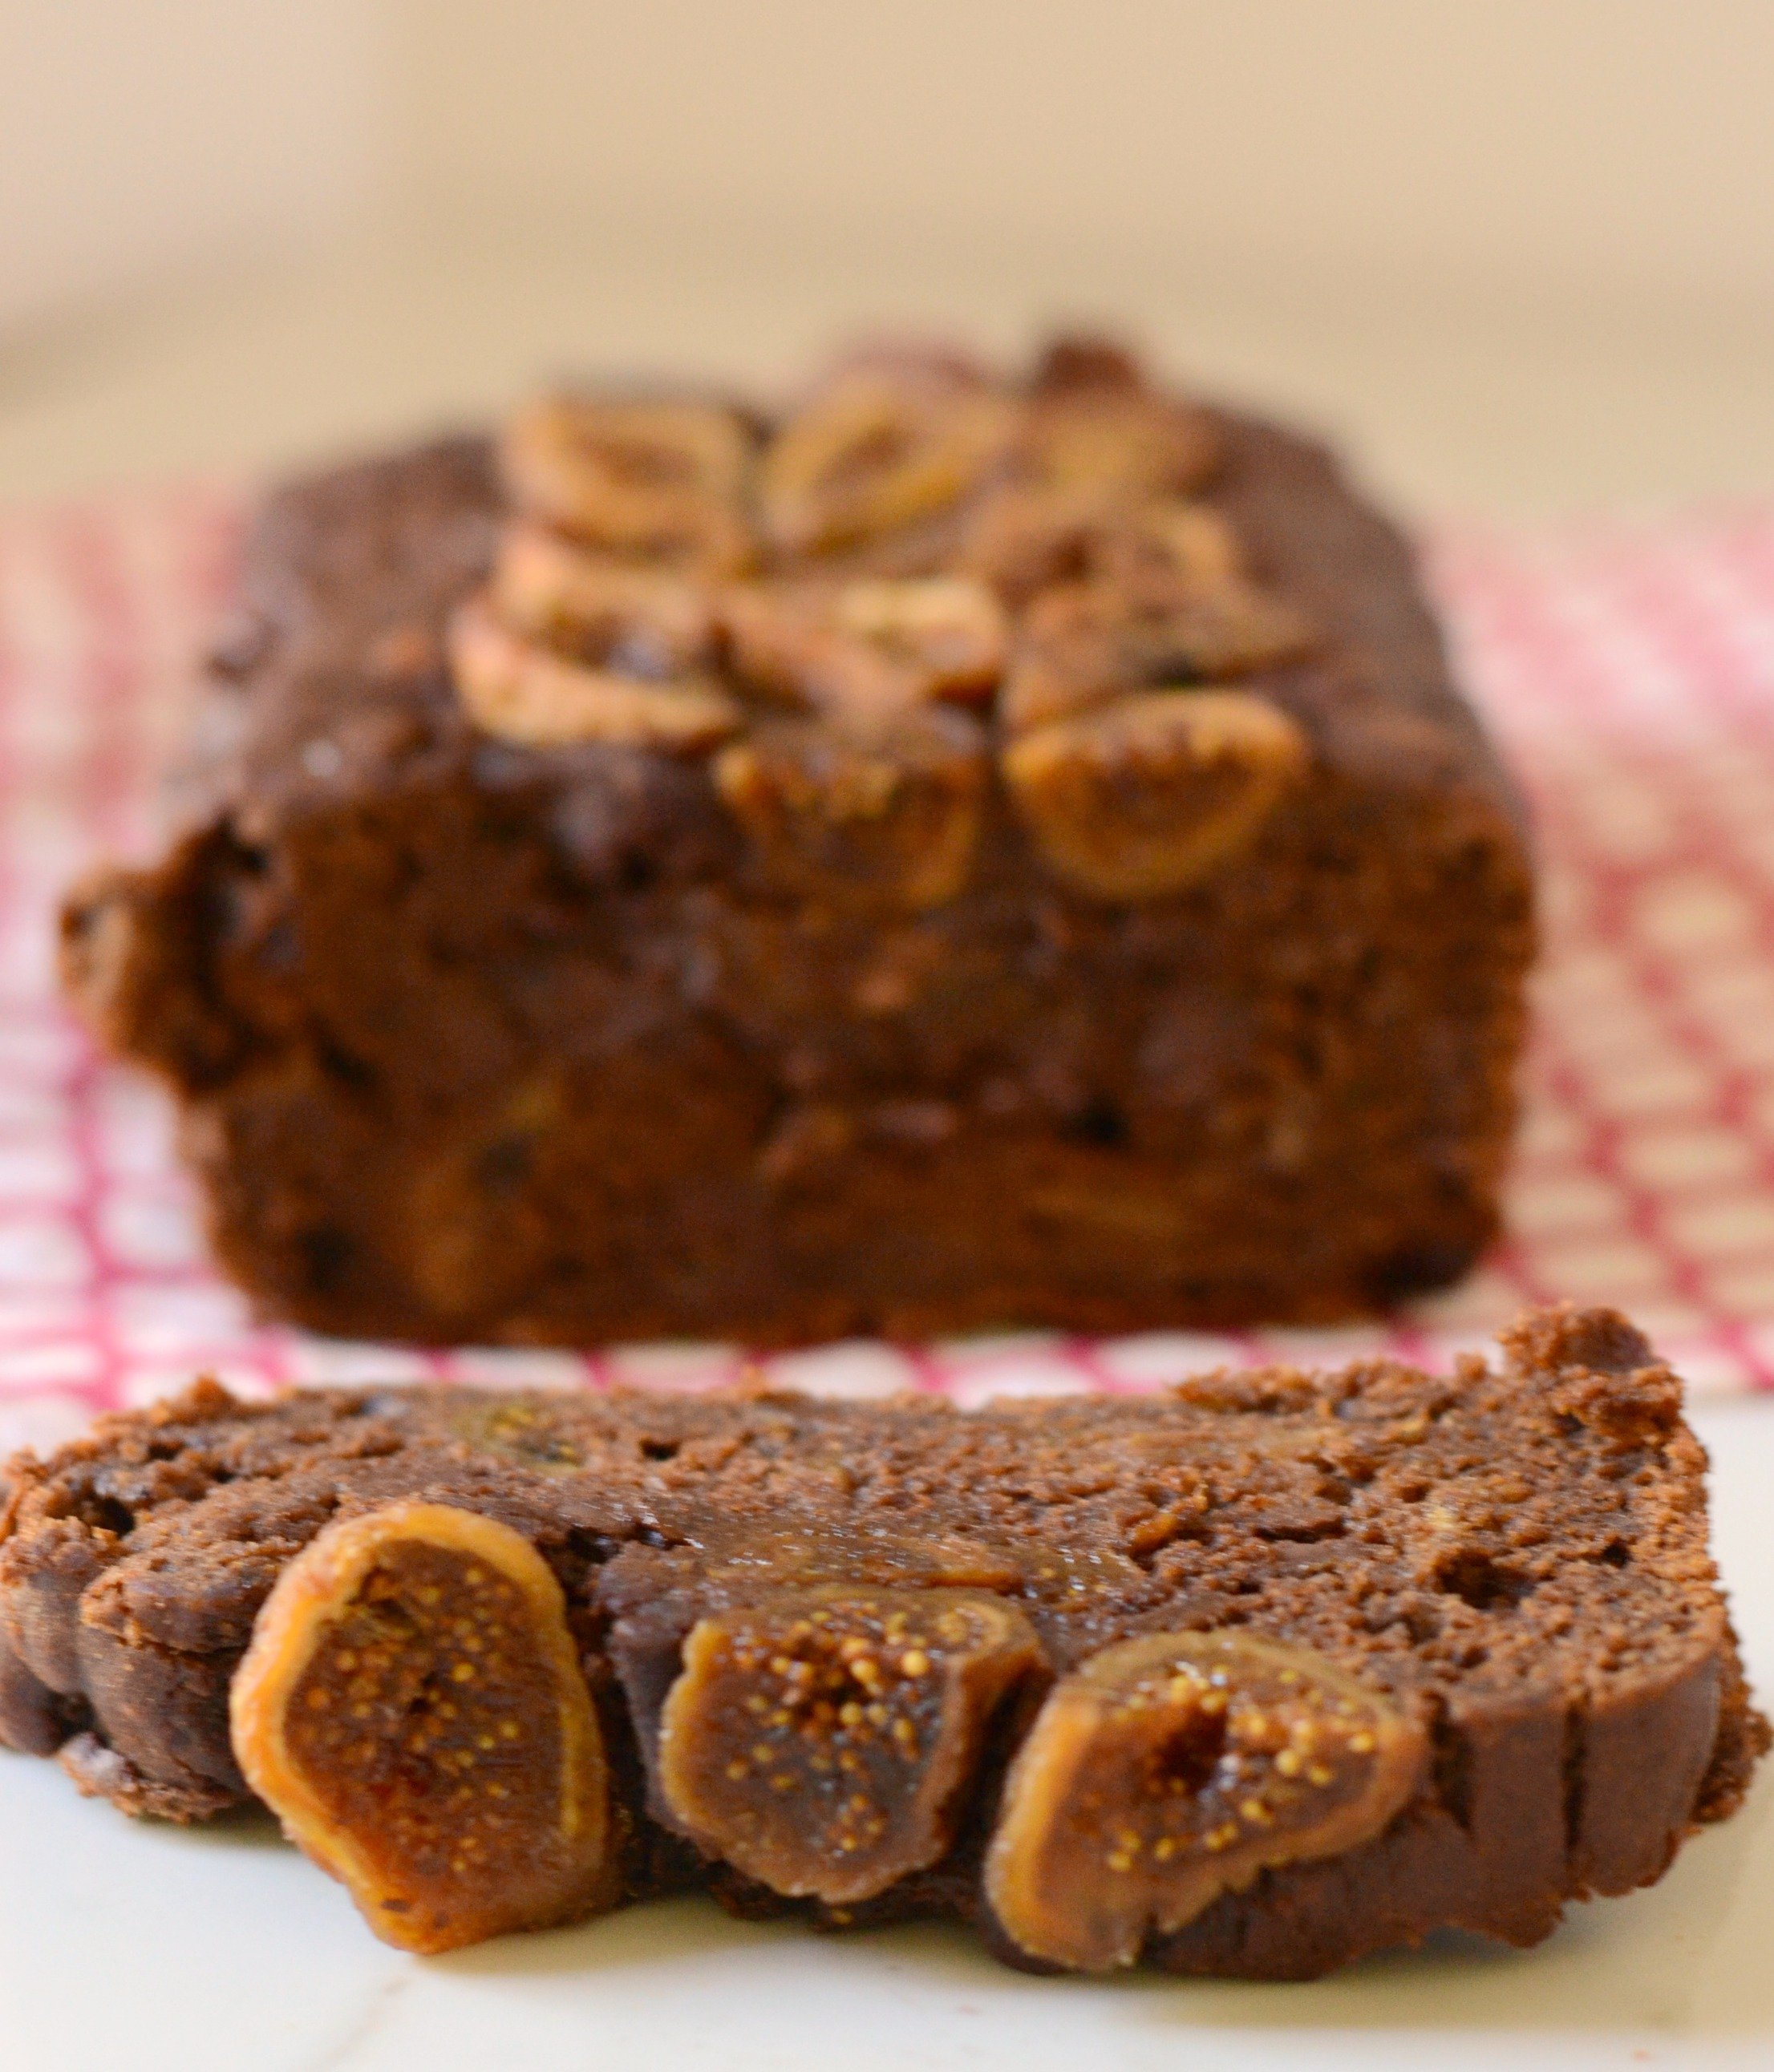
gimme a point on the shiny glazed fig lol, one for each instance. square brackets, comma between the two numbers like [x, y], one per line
[819, 1742]
[1174, 1767]
[413, 1708]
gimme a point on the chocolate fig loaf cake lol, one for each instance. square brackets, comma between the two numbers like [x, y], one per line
[1249, 1677]
[963, 851]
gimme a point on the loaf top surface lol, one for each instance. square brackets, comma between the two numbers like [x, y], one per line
[1533, 1530]
[333, 680]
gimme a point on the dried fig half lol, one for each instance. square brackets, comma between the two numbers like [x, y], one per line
[1175, 540]
[878, 810]
[1149, 794]
[1026, 538]
[875, 451]
[1030, 538]
[522, 690]
[785, 642]
[412, 1708]
[869, 642]
[655, 477]
[947, 632]
[1109, 435]
[1187, 632]
[820, 1741]
[635, 620]
[1174, 1767]
[1087, 643]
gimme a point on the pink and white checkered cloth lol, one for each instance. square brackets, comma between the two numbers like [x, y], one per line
[1628, 669]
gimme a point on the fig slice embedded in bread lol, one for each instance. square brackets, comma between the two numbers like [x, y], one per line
[413, 1708]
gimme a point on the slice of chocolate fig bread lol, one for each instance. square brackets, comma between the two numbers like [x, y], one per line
[1250, 1677]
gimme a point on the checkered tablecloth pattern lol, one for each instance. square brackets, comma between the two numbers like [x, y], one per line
[1628, 669]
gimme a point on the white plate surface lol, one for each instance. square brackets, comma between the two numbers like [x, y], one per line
[144, 1949]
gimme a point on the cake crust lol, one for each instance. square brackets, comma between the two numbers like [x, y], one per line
[1510, 1563]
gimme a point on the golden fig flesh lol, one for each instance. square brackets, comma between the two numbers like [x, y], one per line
[1174, 1767]
[1112, 437]
[1031, 537]
[820, 1741]
[634, 620]
[947, 632]
[413, 1708]
[1150, 793]
[659, 478]
[1084, 644]
[875, 810]
[872, 643]
[872, 454]
[521, 689]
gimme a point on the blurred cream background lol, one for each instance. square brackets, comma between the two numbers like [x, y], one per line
[1521, 253]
